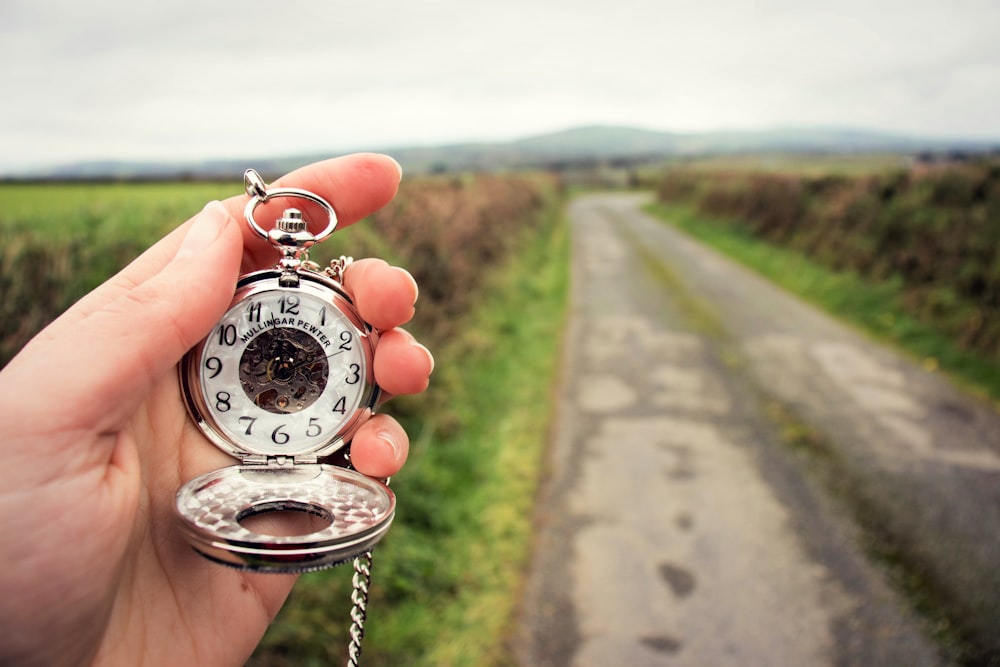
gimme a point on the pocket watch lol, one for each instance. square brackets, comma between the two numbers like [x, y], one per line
[281, 383]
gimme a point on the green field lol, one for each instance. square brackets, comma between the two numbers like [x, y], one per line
[62, 240]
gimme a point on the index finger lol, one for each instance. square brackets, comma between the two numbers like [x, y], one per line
[355, 185]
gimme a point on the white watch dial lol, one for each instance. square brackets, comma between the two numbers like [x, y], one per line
[283, 372]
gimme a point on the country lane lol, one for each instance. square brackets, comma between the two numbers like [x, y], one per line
[680, 524]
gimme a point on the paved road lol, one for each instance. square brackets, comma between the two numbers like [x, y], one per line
[677, 526]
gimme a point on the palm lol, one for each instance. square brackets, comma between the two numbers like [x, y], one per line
[221, 612]
[116, 555]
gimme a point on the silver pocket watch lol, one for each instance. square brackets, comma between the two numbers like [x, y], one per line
[281, 383]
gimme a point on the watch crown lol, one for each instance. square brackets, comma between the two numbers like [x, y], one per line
[291, 221]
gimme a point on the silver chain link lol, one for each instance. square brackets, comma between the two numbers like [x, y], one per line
[337, 268]
[362, 580]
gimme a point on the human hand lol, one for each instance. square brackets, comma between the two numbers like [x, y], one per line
[96, 443]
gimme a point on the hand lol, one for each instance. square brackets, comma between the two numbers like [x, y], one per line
[96, 442]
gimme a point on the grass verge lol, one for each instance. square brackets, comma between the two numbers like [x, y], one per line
[874, 307]
[446, 578]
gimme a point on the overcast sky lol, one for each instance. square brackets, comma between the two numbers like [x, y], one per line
[186, 79]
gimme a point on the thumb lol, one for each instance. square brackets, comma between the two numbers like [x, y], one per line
[117, 352]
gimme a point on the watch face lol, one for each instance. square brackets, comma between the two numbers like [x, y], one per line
[285, 371]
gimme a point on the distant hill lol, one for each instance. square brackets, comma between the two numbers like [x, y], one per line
[575, 147]
[601, 143]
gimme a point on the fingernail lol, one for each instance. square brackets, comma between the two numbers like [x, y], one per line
[413, 281]
[386, 438]
[430, 356]
[399, 167]
[205, 228]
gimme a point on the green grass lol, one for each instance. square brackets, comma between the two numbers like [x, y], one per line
[448, 575]
[116, 215]
[108, 209]
[63, 240]
[876, 308]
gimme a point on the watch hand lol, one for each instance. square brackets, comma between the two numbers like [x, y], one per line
[313, 361]
[303, 363]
